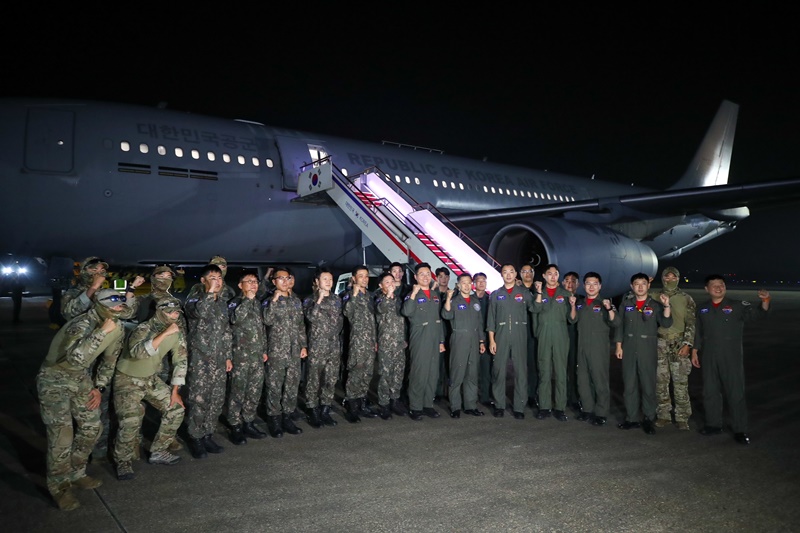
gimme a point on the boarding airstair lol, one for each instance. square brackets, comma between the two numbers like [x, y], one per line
[404, 230]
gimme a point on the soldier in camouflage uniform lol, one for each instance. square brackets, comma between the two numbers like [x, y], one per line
[66, 392]
[249, 355]
[323, 312]
[674, 347]
[422, 307]
[137, 379]
[227, 291]
[359, 308]
[78, 300]
[283, 313]
[467, 343]
[391, 348]
[210, 342]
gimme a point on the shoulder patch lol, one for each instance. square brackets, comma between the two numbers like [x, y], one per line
[745, 302]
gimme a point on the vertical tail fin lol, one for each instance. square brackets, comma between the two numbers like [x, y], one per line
[712, 161]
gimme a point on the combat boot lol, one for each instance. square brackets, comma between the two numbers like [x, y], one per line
[297, 415]
[87, 483]
[252, 431]
[210, 445]
[385, 412]
[237, 435]
[175, 445]
[197, 448]
[65, 499]
[124, 471]
[288, 425]
[351, 411]
[313, 418]
[274, 426]
[325, 416]
[398, 407]
[364, 410]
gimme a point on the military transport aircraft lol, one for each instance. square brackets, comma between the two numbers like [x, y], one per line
[144, 186]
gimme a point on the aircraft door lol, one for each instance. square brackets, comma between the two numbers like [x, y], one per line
[296, 154]
[49, 140]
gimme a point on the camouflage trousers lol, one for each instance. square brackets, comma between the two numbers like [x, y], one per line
[129, 393]
[206, 382]
[247, 384]
[323, 372]
[62, 398]
[360, 369]
[672, 366]
[391, 369]
[101, 447]
[283, 381]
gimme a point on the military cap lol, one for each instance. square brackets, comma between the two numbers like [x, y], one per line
[169, 304]
[218, 260]
[671, 270]
[109, 298]
[163, 268]
[91, 261]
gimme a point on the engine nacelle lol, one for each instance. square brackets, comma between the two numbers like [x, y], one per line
[577, 246]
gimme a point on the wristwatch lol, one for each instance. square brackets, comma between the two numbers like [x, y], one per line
[101, 389]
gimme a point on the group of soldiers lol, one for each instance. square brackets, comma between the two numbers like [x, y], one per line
[228, 348]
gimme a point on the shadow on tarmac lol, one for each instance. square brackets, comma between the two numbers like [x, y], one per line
[470, 474]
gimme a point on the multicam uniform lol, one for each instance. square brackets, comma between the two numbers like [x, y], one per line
[209, 341]
[360, 312]
[64, 384]
[391, 347]
[638, 335]
[325, 325]
[466, 317]
[287, 337]
[137, 379]
[249, 346]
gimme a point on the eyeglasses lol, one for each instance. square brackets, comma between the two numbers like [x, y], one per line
[526, 271]
[284, 278]
[114, 298]
[250, 281]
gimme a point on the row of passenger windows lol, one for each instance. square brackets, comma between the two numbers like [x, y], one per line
[144, 148]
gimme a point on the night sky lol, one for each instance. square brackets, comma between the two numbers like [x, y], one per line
[625, 96]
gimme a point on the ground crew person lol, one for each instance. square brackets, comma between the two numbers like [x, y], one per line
[287, 346]
[674, 347]
[467, 343]
[595, 316]
[137, 379]
[507, 327]
[422, 307]
[323, 312]
[570, 283]
[485, 365]
[637, 340]
[359, 308]
[553, 310]
[66, 392]
[391, 348]
[209, 341]
[718, 342]
[249, 335]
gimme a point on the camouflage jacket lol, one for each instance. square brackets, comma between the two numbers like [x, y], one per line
[360, 312]
[325, 320]
[249, 329]
[209, 327]
[391, 324]
[140, 359]
[287, 326]
[75, 302]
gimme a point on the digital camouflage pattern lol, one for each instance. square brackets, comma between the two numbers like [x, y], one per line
[391, 347]
[249, 347]
[325, 325]
[360, 313]
[287, 337]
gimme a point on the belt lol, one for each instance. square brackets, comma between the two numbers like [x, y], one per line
[642, 336]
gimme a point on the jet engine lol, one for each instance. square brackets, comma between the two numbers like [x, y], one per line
[577, 246]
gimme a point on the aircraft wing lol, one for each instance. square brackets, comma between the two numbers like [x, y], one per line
[705, 200]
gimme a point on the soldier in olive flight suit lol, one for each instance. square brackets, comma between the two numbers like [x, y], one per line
[391, 348]
[249, 355]
[67, 394]
[507, 327]
[323, 311]
[137, 379]
[467, 343]
[426, 339]
[637, 346]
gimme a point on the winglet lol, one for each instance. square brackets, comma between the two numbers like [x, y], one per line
[712, 161]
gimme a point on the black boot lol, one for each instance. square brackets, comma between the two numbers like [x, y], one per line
[288, 425]
[385, 412]
[252, 431]
[351, 411]
[398, 407]
[237, 435]
[313, 418]
[211, 446]
[197, 448]
[325, 416]
[364, 410]
[274, 426]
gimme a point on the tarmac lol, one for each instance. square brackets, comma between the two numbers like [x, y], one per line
[436, 475]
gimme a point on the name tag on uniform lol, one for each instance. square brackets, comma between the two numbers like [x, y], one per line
[421, 300]
[630, 308]
[704, 310]
[462, 307]
[501, 296]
